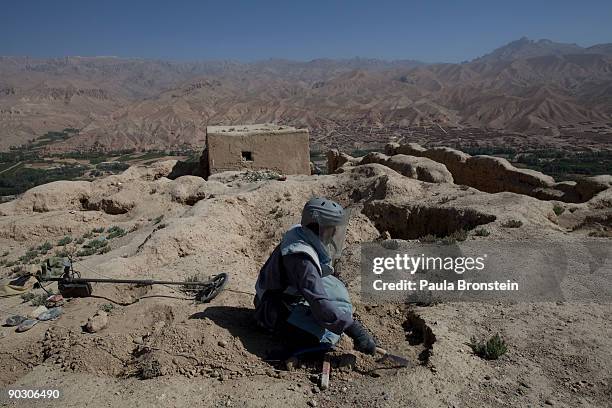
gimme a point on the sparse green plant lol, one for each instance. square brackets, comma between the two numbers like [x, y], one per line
[447, 240]
[459, 235]
[446, 199]
[64, 241]
[558, 209]
[104, 250]
[429, 238]
[98, 230]
[482, 232]
[26, 297]
[512, 224]
[44, 248]
[96, 244]
[259, 175]
[80, 240]
[86, 252]
[193, 278]
[107, 307]
[115, 232]
[63, 253]
[492, 349]
[87, 235]
[28, 256]
[157, 220]
[603, 233]
[39, 299]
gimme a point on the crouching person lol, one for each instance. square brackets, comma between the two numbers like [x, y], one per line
[297, 295]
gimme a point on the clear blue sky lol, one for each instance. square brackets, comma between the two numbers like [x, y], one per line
[303, 30]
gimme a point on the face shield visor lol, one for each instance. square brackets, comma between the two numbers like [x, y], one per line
[333, 234]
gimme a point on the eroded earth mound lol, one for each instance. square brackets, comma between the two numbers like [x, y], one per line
[159, 348]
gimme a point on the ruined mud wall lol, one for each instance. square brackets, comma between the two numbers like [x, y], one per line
[420, 168]
[494, 174]
[287, 152]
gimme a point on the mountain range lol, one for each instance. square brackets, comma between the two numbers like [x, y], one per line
[118, 103]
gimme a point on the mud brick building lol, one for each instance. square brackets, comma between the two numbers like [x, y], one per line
[284, 149]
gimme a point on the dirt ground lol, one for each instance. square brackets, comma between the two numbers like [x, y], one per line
[161, 348]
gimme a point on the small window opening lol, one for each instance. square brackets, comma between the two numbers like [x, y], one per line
[247, 156]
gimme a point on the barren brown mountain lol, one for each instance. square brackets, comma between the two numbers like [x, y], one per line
[525, 86]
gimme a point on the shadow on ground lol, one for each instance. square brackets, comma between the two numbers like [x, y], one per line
[240, 323]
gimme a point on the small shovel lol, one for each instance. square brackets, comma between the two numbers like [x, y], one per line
[399, 360]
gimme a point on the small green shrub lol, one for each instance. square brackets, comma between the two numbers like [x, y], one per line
[80, 240]
[558, 209]
[86, 252]
[481, 232]
[96, 244]
[98, 230]
[115, 232]
[28, 256]
[601, 233]
[39, 299]
[157, 220]
[193, 278]
[107, 307]
[429, 238]
[63, 253]
[88, 235]
[104, 250]
[26, 297]
[44, 248]
[492, 349]
[512, 224]
[64, 241]
[459, 235]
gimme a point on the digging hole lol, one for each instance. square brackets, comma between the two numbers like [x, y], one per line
[404, 221]
[419, 333]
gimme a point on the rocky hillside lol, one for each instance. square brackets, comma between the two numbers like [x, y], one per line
[193, 353]
[524, 86]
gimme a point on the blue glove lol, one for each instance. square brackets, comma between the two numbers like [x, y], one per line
[362, 339]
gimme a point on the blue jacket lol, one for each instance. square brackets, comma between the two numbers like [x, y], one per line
[286, 279]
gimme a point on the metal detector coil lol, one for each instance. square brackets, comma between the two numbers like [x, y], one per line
[69, 289]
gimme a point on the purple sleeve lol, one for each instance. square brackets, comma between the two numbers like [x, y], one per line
[304, 275]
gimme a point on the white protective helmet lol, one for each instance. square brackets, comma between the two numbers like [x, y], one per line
[331, 220]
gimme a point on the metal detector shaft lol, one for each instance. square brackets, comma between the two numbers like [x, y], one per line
[137, 281]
